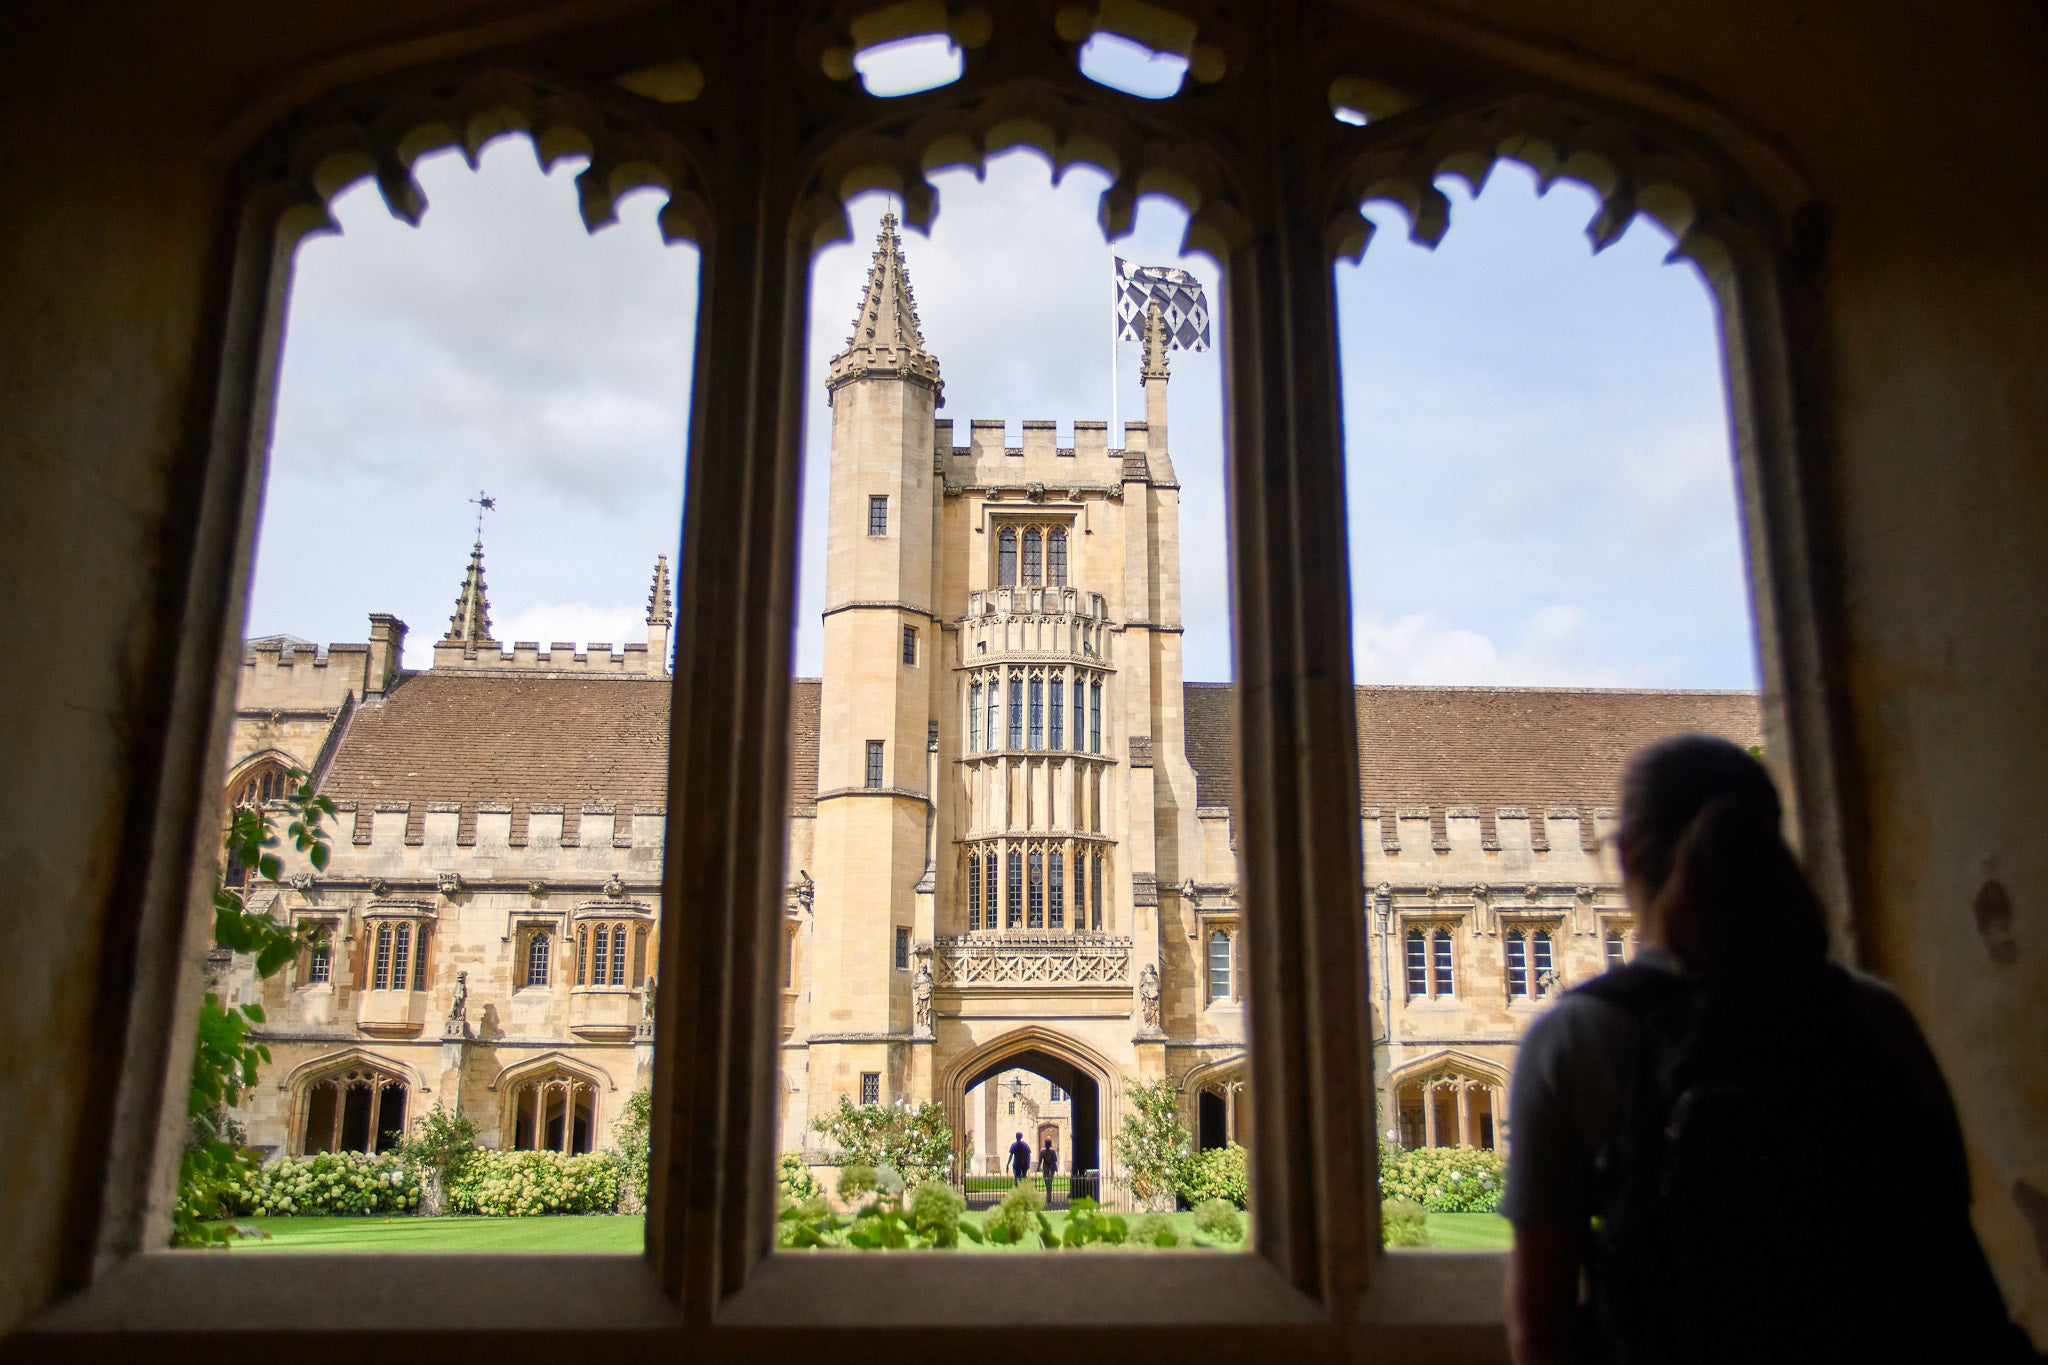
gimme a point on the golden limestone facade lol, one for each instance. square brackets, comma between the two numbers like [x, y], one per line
[1012, 885]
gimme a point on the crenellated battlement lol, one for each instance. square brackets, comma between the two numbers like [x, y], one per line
[1002, 622]
[561, 657]
[987, 459]
[282, 673]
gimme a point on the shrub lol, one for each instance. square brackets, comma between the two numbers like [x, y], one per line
[1218, 1220]
[935, 1211]
[1018, 1216]
[1219, 1173]
[439, 1144]
[330, 1182]
[1153, 1230]
[1403, 1223]
[794, 1181]
[917, 1141]
[1443, 1179]
[1153, 1144]
[1088, 1226]
[634, 1135]
[522, 1184]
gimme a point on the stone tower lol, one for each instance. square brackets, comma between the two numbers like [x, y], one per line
[876, 736]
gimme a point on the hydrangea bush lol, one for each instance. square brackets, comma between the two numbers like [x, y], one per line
[523, 1184]
[1443, 1179]
[330, 1182]
[1219, 1173]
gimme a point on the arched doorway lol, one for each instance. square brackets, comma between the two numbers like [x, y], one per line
[1065, 1100]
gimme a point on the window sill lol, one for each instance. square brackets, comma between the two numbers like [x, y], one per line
[1424, 1305]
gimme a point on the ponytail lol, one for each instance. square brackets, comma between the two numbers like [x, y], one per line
[1699, 831]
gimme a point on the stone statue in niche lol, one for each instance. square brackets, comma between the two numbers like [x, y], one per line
[458, 1008]
[921, 996]
[1148, 995]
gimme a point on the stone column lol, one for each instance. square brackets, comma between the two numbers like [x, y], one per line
[1429, 1114]
[1464, 1113]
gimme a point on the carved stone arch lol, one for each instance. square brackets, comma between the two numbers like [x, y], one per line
[380, 130]
[1214, 1096]
[1633, 162]
[1045, 1045]
[1476, 1115]
[310, 1080]
[513, 1083]
[1232, 1068]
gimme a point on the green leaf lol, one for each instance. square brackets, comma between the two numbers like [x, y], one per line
[971, 1233]
[269, 866]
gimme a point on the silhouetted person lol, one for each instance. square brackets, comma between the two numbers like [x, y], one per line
[1020, 1158]
[1048, 1166]
[1748, 1152]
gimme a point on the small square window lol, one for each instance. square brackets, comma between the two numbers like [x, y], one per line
[874, 777]
[910, 644]
[878, 515]
[902, 949]
[870, 1087]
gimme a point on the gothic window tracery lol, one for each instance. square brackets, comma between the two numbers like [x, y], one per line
[974, 717]
[398, 960]
[1531, 974]
[358, 1109]
[1056, 887]
[1006, 557]
[1037, 711]
[1034, 909]
[1016, 710]
[1033, 552]
[611, 953]
[554, 1112]
[1056, 691]
[1429, 961]
[1056, 558]
[1448, 1106]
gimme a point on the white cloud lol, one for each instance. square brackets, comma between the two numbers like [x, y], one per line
[1554, 647]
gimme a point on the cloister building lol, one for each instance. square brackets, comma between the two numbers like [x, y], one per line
[1011, 868]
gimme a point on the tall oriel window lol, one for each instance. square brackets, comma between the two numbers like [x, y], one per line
[1095, 892]
[1219, 965]
[1034, 908]
[1016, 711]
[1033, 552]
[1095, 718]
[1056, 696]
[1006, 557]
[973, 717]
[994, 738]
[397, 963]
[1013, 910]
[874, 772]
[1038, 713]
[973, 892]
[1056, 891]
[1056, 558]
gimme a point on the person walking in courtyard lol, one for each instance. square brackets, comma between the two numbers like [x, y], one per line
[1671, 1114]
[1020, 1159]
[1048, 1166]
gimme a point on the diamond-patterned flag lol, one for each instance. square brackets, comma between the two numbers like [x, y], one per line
[1180, 298]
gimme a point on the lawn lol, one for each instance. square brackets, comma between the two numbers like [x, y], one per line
[603, 1232]
[1470, 1232]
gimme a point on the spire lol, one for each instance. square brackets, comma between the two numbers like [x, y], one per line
[470, 626]
[887, 342]
[659, 610]
[1157, 341]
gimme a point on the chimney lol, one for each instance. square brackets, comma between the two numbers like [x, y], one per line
[387, 653]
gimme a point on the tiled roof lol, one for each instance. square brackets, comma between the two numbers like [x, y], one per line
[1535, 747]
[526, 741]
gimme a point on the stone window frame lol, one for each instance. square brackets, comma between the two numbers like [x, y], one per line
[418, 920]
[1550, 920]
[878, 514]
[1437, 925]
[331, 926]
[1275, 196]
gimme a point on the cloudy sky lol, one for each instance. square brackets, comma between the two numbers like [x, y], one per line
[1540, 489]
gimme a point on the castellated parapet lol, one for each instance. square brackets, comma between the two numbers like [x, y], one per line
[598, 660]
[987, 461]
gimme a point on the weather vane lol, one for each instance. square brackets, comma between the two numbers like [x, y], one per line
[484, 503]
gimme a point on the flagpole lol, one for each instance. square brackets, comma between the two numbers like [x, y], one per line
[1116, 434]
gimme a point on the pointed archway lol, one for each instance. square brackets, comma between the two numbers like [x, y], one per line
[1085, 1076]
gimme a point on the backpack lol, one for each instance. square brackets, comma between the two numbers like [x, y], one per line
[1773, 1190]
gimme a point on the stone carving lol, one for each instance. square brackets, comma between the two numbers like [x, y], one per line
[615, 886]
[1144, 888]
[449, 882]
[538, 890]
[1033, 958]
[921, 997]
[1141, 751]
[302, 882]
[458, 1009]
[645, 1030]
[1148, 995]
[379, 887]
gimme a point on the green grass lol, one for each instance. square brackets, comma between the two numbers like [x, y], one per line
[1470, 1232]
[600, 1232]
[563, 1233]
